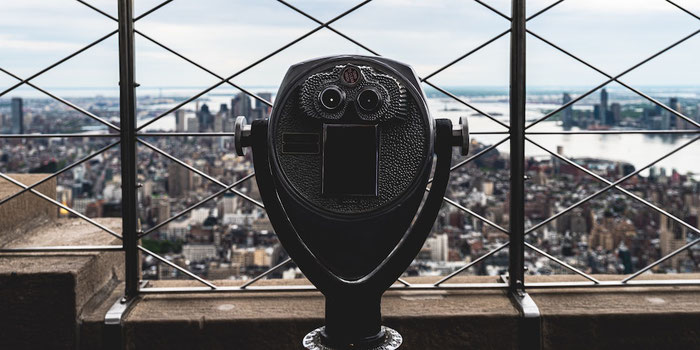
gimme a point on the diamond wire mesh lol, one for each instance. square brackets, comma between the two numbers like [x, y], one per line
[425, 79]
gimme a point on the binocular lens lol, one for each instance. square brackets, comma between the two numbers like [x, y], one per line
[331, 98]
[369, 100]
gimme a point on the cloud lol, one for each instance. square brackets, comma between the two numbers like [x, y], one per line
[618, 6]
[10, 42]
[228, 35]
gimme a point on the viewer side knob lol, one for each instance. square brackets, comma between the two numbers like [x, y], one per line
[241, 135]
[460, 135]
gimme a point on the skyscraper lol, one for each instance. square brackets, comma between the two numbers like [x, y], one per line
[615, 114]
[671, 237]
[223, 108]
[218, 124]
[162, 209]
[676, 122]
[262, 107]
[603, 111]
[228, 204]
[192, 123]
[596, 113]
[17, 116]
[180, 180]
[180, 121]
[568, 118]
[438, 247]
[205, 118]
[241, 105]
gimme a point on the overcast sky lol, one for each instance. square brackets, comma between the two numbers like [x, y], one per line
[225, 36]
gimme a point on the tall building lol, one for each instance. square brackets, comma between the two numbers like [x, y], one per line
[596, 113]
[674, 121]
[205, 118]
[192, 124]
[17, 116]
[180, 121]
[603, 111]
[609, 232]
[568, 118]
[229, 124]
[218, 125]
[671, 237]
[615, 114]
[228, 204]
[223, 108]
[162, 209]
[674, 104]
[438, 247]
[241, 105]
[180, 180]
[264, 110]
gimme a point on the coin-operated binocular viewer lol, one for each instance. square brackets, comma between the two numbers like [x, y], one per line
[342, 166]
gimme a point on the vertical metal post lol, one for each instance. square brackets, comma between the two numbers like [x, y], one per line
[529, 328]
[517, 146]
[127, 116]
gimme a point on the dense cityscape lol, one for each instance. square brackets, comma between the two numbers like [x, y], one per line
[230, 237]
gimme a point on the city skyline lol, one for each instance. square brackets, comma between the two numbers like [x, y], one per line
[230, 237]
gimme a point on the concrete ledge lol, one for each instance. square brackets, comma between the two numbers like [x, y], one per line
[42, 294]
[432, 319]
[26, 211]
[620, 318]
[59, 301]
[602, 318]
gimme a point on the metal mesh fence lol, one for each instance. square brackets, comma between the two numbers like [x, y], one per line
[517, 134]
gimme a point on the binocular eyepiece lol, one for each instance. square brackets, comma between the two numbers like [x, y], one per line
[331, 98]
[368, 100]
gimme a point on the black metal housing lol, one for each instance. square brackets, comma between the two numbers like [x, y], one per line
[352, 256]
[350, 234]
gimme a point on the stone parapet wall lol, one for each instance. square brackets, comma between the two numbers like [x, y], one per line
[27, 210]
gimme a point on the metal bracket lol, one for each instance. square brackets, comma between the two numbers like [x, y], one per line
[530, 327]
[530, 323]
[112, 336]
[526, 305]
[115, 313]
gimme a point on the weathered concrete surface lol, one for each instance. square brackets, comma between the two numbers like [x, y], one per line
[42, 294]
[601, 318]
[620, 318]
[27, 210]
[427, 319]
[58, 301]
